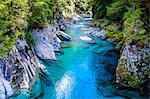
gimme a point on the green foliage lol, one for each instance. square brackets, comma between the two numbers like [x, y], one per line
[81, 6]
[117, 35]
[30, 39]
[116, 10]
[102, 22]
[73, 6]
[13, 16]
[63, 4]
[41, 12]
[134, 81]
[17, 16]
[99, 8]
[133, 25]
[128, 13]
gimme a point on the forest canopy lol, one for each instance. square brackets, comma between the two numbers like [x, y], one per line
[18, 16]
[124, 19]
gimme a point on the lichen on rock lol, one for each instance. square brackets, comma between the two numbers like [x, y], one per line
[133, 66]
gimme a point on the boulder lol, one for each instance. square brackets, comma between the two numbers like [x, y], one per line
[87, 39]
[133, 66]
[18, 69]
[45, 51]
[37, 89]
[99, 33]
[46, 42]
[96, 32]
[76, 17]
[63, 36]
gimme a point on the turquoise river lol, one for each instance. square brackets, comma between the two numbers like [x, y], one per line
[84, 71]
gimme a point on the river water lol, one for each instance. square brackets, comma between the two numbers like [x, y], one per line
[84, 71]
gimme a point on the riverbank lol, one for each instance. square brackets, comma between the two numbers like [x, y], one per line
[89, 61]
[85, 66]
[21, 67]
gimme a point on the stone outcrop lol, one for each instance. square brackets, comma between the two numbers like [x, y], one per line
[133, 66]
[63, 36]
[87, 39]
[96, 32]
[5, 86]
[46, 42]
[18, 69]
[62, 23]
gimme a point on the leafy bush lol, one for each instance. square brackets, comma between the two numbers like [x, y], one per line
[116, 10]
[41, 13]
[30, 39]
[17, 16]
[13, 16]
[99, 9]
[73, 6]
[128, 13]
[117, 35]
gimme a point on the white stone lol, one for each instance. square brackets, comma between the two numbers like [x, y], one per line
[45, 51]
[87, 39]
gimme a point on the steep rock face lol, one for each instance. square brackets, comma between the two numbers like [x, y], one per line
[5, 88]
[18, 69]
[48, 39]
[62, 23]
[46, 42]
[133, 67]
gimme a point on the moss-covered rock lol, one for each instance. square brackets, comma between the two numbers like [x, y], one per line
[133, 66]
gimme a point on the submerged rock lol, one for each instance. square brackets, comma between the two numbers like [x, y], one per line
[106, 50]
[23, 94]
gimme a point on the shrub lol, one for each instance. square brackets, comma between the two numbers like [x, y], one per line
[17, 16]
[42, 11]
[13, 16]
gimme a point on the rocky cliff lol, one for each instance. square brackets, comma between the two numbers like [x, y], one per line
[20, 68]
[133, 64]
